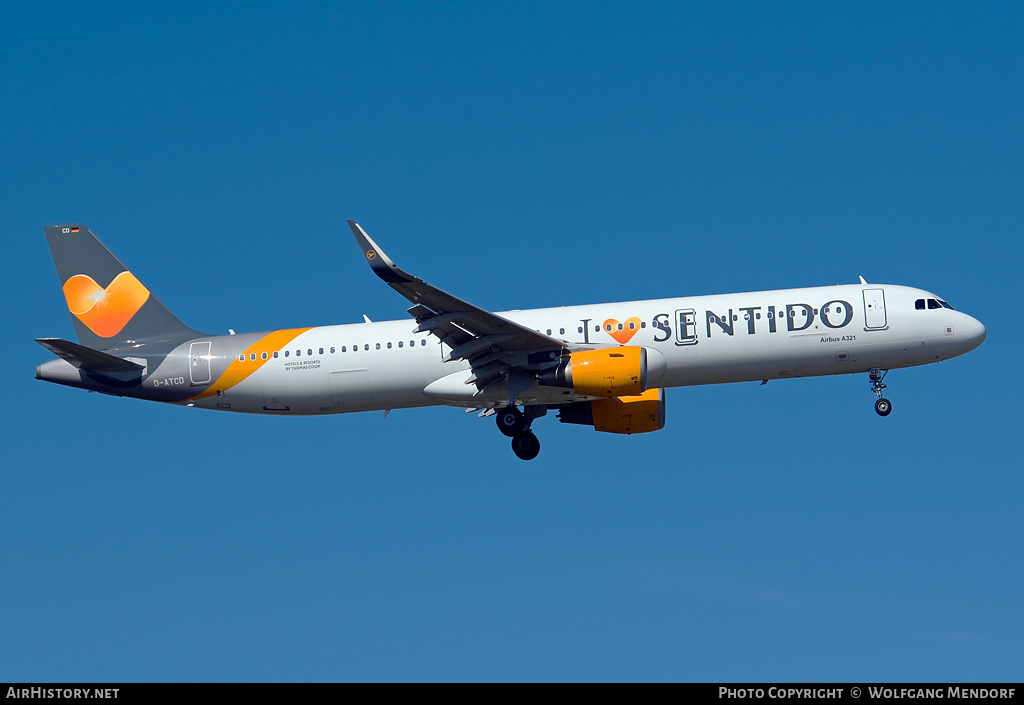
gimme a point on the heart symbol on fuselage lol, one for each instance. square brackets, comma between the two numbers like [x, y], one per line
[622, 332]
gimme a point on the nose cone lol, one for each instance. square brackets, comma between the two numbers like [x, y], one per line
[975, 332]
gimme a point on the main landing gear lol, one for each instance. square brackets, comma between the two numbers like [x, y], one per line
[883, 407]
[516, 425]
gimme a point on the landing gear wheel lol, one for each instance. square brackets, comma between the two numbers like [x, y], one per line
[883, 407]
[510, 421]
[525, 445]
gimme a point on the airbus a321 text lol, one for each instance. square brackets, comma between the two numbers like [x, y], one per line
[601, 365]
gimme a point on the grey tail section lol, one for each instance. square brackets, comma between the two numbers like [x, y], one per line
[109, 306]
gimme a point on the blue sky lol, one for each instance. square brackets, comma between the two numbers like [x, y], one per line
[517, 155]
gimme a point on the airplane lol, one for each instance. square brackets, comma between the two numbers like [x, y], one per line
[601, 365]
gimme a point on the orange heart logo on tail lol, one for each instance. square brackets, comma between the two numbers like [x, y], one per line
[105, 311]
[622, 332]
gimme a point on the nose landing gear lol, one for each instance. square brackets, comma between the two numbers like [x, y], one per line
[516, 425]
[883, 407]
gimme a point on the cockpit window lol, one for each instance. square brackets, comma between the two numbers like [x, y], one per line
[932, 303]
[919, 304]
[945, 305]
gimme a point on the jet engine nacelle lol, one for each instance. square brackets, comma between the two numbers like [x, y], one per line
[608, 372]
[642, 413]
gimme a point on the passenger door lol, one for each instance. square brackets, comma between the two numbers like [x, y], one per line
[874, 309]
[199, 362]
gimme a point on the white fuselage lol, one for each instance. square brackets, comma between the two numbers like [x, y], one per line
[695, 340]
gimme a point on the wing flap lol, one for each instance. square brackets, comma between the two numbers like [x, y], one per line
[438, 321]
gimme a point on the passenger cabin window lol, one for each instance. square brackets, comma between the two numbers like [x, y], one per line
[264, 356]
[321, 351]
[275, 354]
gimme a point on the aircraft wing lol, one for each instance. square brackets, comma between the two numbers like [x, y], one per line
[473, 334]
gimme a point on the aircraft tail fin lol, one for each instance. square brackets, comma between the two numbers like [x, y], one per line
[109, 305]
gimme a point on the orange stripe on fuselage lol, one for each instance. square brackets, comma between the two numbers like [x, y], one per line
[240, 370]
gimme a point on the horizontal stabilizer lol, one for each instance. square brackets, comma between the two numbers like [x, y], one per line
[86, 358]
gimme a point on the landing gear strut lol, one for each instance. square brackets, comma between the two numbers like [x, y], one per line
[883, 407]
[516, 425]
